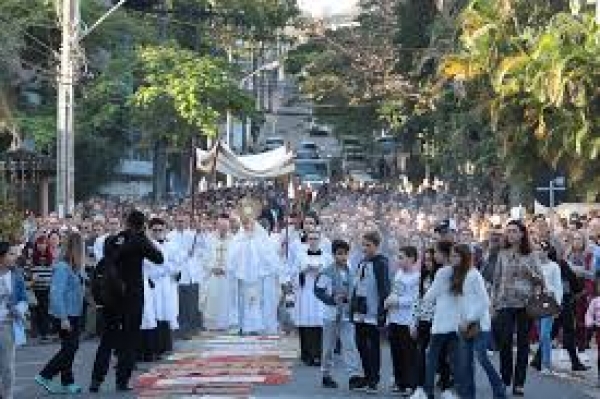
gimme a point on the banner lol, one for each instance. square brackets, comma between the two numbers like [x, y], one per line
[270, 164]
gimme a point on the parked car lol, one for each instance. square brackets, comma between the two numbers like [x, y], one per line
[310, 146]
[351, 141]
[272, 143]
[362, 177]
[315, 172]
[354, 161]
[306, 154]
[317, 131]
[352, 149]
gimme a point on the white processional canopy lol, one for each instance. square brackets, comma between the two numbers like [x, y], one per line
[270, 164]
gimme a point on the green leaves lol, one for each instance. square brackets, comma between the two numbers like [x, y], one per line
[184, 89]
[537, 67]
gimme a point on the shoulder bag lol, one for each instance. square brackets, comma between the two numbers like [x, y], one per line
[542, 304]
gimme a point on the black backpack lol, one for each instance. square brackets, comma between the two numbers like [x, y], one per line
[108, 288]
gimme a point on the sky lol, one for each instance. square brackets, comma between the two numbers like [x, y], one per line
[326, 7]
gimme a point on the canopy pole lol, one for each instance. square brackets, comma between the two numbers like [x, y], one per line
[214, 171]
[193, 177]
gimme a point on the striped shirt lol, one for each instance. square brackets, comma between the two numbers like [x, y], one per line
[41, 276]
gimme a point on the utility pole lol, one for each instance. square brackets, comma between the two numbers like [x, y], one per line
[160, 145]
[69, 20]
[229, 121]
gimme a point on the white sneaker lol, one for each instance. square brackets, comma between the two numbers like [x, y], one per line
[419, 393]
[584, 357]
[546, 372]
[448, 394]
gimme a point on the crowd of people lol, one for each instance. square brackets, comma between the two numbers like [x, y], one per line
[447, 281]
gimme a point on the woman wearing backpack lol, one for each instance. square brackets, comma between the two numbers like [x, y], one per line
[66, 305]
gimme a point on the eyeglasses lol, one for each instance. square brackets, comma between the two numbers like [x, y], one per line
[157, 230]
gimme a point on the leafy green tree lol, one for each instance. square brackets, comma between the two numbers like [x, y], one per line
[181, 91]
[135, 83]
[533, 67]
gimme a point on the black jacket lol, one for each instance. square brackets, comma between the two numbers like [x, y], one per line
[133, 248]
[374, 300]
[572, 285]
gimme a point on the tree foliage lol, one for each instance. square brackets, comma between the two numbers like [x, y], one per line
[533, 67]
[192, 91]
[11, 223]
[505, 85]
[144, 75]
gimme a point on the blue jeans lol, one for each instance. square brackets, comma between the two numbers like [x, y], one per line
[464, 372]
[481, 345]
[436, 345]
[546, 341]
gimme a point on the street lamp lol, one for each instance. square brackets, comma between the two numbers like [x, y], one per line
[229, 118]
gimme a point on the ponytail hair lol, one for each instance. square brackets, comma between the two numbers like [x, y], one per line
[459, 272]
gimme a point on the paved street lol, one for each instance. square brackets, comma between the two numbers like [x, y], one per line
[305, 382]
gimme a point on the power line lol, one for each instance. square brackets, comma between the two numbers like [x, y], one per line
[23, 30]
[50, 73]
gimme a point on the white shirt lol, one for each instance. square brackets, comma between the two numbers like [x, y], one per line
[405, 293]
[553, 279]
[99, 247]
[475, 301]
[5, 293]
[446, 305]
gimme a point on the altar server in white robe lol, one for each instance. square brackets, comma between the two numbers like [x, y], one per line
[166, 292]
[148, 349]
[257, 268]
[189, 274]
[308, 310]
[299, 243]
[215, 288]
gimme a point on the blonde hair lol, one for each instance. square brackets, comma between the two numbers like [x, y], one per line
[74, 249]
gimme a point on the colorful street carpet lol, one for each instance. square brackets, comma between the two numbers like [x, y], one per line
[216, 367]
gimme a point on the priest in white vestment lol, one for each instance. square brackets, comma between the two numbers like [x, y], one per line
[258, 270]
[215, 291]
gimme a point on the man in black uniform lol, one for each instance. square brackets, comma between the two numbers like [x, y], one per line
[122, 332]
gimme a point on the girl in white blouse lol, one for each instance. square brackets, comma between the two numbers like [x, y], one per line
[553, 284]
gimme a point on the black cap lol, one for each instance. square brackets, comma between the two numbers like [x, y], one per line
[444, 227]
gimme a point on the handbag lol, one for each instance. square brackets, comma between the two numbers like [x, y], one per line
[358, 304]
[472, 331]
[542, 304]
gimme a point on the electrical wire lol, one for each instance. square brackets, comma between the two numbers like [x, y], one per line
[50, 75]
[23, 29]
[51, 52]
